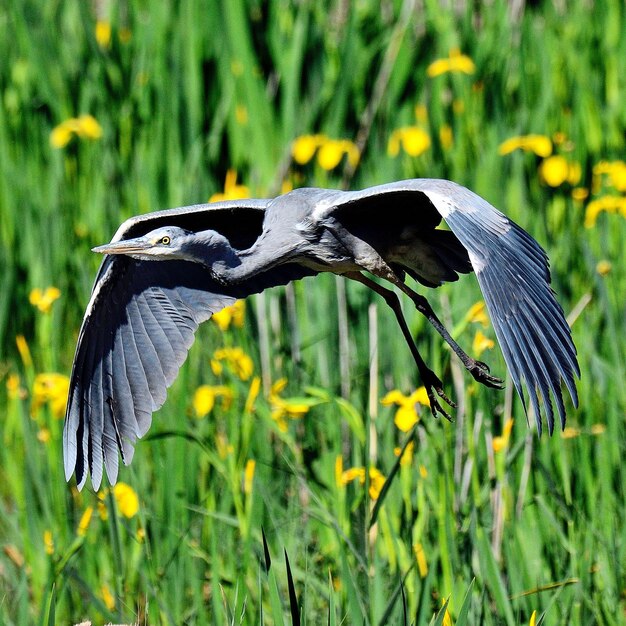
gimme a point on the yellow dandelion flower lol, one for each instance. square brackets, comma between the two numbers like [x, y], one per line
[580, 193]
[604, 267]
[420, 557]
[232, 191]
[248, 476]
[481, 343]
[126, 499]
[52, 388]
[234, 314]
[455, 63]
[103, 33]
[43, 299]
[107, 597]
[413, 139]
[445, 137]
[538, 144]
[304, 147]
[48, 542]
[502, 442]
[85, 520]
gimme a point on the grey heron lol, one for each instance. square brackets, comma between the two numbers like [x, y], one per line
[166, 272]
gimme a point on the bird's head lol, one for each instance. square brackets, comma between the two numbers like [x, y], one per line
[165, 243]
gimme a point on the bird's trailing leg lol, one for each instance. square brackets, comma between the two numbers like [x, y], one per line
[478, 369]
[429, 378]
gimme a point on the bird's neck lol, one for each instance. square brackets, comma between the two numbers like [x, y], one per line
[234, 267]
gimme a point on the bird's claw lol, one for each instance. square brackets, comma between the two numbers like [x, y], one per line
[434, 385]
[480, 372]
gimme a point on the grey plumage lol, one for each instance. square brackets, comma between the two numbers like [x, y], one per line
[167, 272]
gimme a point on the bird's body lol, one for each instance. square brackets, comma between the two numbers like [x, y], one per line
[166, 272]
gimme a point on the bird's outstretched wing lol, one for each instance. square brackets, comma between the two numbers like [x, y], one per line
[137, 330]
[512, 271]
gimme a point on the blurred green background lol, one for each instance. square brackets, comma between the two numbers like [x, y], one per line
[111, 109]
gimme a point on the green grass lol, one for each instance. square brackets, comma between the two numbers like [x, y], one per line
[538, 526]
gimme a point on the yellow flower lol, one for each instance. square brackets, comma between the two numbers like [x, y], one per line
[43, 435]
[107, 597]
[204, 398]
[48, 542]
[103, 33]
[407, 457]
[598, 429]
[84, 522]
[539, 144]
[295, 408]
[241, 114]
[339, 471]
[223, 447]
[481, 343]
[413, 139]
[406, 416]
[232, 191]
[570, 433]
[447, 620]
[420, 556]
[533, 619]
[52, 388]
[239, 363]
[377, 480]
[502, 442]
[445, 137]
[331, 152]
[43, 299]
[248, 476]
[604, 267]
[423, 471]
[85, 126]
[255, 387]
[477, 314]
[24, 350]
[234, 314]
[304, 147]
[126, 499]
[616, 171]
[14, 388]
[456, 62]
[556, 170]
[580, 193]
[609, 204]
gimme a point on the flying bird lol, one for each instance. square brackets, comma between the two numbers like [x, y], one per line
[166, 272]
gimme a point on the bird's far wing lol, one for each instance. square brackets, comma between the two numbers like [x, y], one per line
[513, 273]
[139, 325]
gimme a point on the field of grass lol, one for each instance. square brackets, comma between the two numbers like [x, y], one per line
[239, 468]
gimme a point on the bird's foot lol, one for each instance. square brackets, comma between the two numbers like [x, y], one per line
[480, 372]
[434, 386]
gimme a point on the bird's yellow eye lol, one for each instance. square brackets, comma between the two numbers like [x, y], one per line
[165, 241]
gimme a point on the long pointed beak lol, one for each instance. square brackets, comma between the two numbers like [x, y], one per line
[129, 246]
